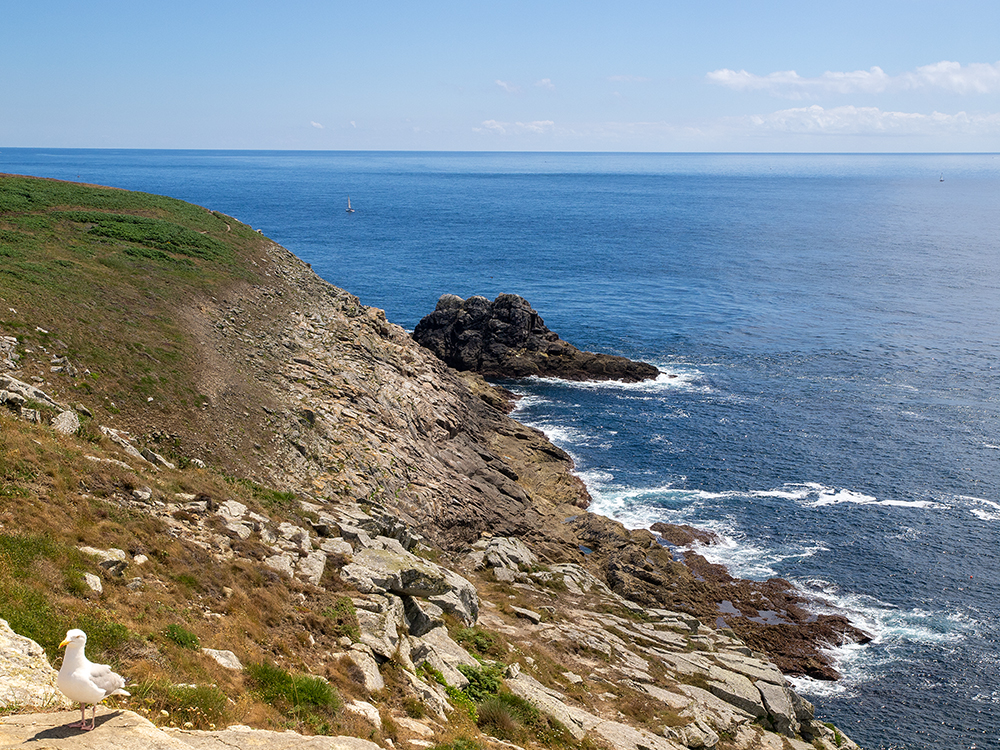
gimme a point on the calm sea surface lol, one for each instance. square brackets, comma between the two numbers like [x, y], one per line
[833, 323]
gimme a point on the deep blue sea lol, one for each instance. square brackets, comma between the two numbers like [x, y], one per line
[833, 323]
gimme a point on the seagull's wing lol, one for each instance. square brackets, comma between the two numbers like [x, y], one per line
[110, 682]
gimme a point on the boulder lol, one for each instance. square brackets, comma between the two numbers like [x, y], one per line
[698, 734]
[311, 567]
[737, 690]
[26, 678]
[282, 563]
[116, 730]
[421, 616]
[362, 657]
[244, 738]
[580, 723]
[501, 552]
[120, 438]
[379, 618]
[156, 459]
[225, 659]
[93, 583]
[437, 649]
[507, 338]
[402, 573]
[366, 711]
[780, 709]
[66, 422]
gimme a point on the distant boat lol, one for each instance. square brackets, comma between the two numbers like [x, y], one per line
[942, 178]
[349, 209]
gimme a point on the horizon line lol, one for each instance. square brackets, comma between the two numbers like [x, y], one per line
[513, 152]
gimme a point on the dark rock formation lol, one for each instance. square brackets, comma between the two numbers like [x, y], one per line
[506, 338]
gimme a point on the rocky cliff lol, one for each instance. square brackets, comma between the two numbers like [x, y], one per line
[228, 466]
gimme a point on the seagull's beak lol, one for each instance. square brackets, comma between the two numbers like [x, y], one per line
[64, 643]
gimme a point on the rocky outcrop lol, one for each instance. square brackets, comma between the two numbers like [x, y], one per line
[26, 679]
[506, 338]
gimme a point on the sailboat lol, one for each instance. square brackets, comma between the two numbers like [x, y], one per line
[349, 209]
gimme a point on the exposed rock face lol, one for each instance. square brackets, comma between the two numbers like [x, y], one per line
[507, 338]
[26, 679]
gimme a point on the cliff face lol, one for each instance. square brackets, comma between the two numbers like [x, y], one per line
[192, 373]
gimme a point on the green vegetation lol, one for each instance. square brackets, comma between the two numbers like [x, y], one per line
[301, 697]
[480, 642]
[124, 263]
[183, 638]
[344, 617]
[484, 681]
[462, 743]
[140, 232]
[30, 611]
[203, 705]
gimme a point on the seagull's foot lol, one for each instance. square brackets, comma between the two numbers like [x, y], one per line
[79, 724]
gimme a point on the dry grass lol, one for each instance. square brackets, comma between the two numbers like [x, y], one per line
[54, 500]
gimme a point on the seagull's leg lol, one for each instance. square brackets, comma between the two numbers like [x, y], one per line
[83, 717]
[93, 719]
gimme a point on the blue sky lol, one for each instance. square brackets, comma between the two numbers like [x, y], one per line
[525, 76]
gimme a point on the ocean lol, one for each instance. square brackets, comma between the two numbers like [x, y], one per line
[831, 323]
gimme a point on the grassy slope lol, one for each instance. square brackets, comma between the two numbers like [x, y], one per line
[111, 279]
[104, 277]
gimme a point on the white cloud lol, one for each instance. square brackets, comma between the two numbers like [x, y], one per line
[852, 120]
[315, 124]
[976, 78]
[510, 88]
[354, 124]
[546, 83]
[516, 128]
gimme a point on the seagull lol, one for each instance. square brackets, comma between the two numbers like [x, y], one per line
[84, 682]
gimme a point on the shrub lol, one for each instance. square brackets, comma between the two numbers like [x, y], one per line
[414, 708]
[462, 743]
[512, 718]
[183, 638]
[344, 618]
[484, 681]
[293, 694]
[496, 719]
[479, 641]
[458, 698]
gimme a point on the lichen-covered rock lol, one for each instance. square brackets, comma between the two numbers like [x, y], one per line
[66, 422]
[439, 650]
[501, 552]
[380, 618]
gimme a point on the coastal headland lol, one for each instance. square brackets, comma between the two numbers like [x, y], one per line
[248, 487]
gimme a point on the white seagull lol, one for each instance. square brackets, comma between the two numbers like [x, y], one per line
[84, 682]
